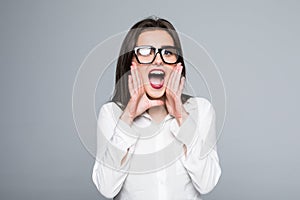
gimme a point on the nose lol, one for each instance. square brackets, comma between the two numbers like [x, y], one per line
[158, 60]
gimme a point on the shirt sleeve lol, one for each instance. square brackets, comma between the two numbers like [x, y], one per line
[115, 146]
[198, 136]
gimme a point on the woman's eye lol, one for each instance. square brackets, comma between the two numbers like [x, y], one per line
[144, 52]
[168, 52]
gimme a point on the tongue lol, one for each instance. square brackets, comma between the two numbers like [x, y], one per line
[157, 81]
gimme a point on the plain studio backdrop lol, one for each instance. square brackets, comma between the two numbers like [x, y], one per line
[255, 45]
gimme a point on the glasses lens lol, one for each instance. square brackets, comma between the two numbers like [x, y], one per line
[145, 54]
[170, 55]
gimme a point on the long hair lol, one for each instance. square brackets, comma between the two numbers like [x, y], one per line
[121, 93]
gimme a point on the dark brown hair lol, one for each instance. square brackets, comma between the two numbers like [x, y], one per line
[121, 94]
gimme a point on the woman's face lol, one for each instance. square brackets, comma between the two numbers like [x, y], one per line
[155, 76]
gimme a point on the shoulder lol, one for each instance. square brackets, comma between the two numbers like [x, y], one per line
[199, 100]
[109, 109]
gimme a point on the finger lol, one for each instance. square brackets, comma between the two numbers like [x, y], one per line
[134, 81]
[130, 85]
[170, 81]
[153, 103]
[177, 78]
[137, 77]
[182, 81]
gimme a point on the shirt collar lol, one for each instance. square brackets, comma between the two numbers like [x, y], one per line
[146, 115]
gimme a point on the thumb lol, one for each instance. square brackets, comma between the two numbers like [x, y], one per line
[153, 103]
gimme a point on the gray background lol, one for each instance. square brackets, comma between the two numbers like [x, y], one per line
[255, 44]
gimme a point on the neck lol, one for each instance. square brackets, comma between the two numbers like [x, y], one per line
[158, 113]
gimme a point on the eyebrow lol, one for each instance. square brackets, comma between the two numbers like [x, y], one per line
[164, 46]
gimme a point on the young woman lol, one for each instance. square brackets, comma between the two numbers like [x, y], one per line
[149, 114]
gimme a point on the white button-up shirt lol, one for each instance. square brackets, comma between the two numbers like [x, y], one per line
[161, 161]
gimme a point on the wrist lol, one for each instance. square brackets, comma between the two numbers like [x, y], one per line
[127, 117]
[184, 115]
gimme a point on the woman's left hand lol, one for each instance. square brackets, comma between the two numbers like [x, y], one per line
[173, 95]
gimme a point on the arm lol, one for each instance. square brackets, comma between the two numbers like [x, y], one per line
[111, 167]
[201, 160]
[114, 150]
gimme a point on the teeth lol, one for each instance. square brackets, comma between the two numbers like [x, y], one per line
[157, 72]
[156, 78]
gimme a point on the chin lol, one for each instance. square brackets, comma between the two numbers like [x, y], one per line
[154, 93]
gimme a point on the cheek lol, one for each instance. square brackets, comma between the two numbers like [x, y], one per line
[168, 74]
[143, 73]
[167, 77]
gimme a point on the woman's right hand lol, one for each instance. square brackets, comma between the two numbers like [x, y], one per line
[138, 102]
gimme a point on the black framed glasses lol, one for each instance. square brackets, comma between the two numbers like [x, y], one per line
[147, 54]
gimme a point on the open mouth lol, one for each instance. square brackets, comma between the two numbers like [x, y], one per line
[156, 78]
